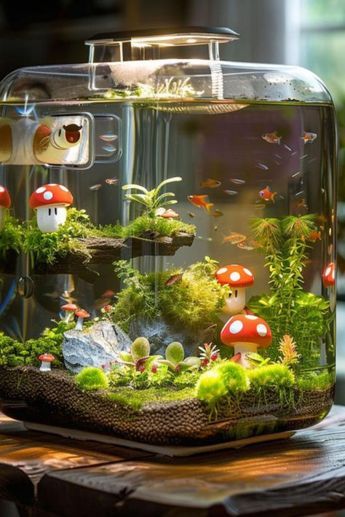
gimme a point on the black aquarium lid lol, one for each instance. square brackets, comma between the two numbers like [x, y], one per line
[191, 35]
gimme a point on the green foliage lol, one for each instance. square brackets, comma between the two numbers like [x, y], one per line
[227, 378]
[288, 309]
[16, 353]
[153, 199]
[175, 360]
[316, 380]
[92, 379]
[271, 375]
[174, 352]
[136, 399]
[147, 225]
[140, 348]
[11, 236]
[46, 247]
[193, 303]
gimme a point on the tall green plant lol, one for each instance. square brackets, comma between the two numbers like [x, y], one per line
[288, 309]
[151, 199]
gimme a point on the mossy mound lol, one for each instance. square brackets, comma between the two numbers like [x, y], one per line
[55, 398]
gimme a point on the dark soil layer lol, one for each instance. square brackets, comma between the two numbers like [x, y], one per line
[54, 399]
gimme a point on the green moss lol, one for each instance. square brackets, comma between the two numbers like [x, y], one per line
[46, 247]
[145, 225]
[194, 302]
[227, 378]
[271, 375]
[310, 381]
[16, 353]
[136, 399]
[92, 379]
[11, 236]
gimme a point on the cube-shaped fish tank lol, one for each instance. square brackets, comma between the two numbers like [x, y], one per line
[167, 242]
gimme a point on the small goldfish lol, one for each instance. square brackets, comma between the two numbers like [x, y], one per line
[210, 183]
[315, 235]
[272, 138]
[169, 214]
[217, 213]
[174, 278]
[112, 181]
[302, 204]
[267, 195]
[308, 137]
[191, 215]
[95, 187]
[200, 201]
[234, 238]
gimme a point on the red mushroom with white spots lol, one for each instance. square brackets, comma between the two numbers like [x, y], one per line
[46, 360]
[5, 203]
[50, 202]
[328, 275]
[238, 278]
[246, 333]
[81, 315]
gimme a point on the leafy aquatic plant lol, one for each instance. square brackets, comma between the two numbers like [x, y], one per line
[175, 359]
[153, 199]
[167, 89]
[271, 375]
[194, 302]
[92, 379]
[147, 225]
[209, 353]
[288, 309]
[11, 236]
[225, 379]
[46, 247]
[316, 380]
[289, 354]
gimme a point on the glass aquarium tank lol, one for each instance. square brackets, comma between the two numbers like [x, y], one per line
[167, 242]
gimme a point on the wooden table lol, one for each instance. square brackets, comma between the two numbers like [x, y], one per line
[48, 475]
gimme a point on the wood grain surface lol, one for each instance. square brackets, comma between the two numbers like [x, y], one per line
[299, 476]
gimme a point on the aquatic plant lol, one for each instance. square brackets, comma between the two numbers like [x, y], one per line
[46, 247]
[147, 225]
[138, 355]
[194, 301]
[316, 380]
[169, 88]
[153, 199]
[92, 379]
[175, 359]
[271, 375]
[288, 309]
[209, 353]
[289, 354]
[11, 236]
[227, 378]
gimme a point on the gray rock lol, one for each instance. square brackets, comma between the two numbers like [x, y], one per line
[96, 346]
[160, 334]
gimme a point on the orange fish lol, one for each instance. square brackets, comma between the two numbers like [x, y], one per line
[315, 235]
[234, 238]
[309, 137]
[267, 195]
[272, 138]
[174, 278]
[200, 201]
[210, 183]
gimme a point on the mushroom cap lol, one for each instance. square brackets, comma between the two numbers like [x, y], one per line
[328, 275]
[82, 313]
[235, 275]
[46, 357]
[69, 307]
[51, 194]
[246, 328]
[5, 198]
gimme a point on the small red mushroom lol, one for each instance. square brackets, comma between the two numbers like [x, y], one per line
[46, 360]
[51, 201]
[81, 315]
[246, 333]
[238, 278]
[5, 203]
[328, 275]
[69, 309]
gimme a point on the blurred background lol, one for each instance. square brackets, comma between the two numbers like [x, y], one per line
[310, 33]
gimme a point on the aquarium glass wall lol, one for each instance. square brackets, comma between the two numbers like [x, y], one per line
[167, 246]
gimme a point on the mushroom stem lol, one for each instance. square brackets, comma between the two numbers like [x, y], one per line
[236, 301]
[79, 325]
[49, 218]
[244, 349]
[45, 366]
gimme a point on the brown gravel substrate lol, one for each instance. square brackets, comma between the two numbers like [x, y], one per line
[54, 399]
